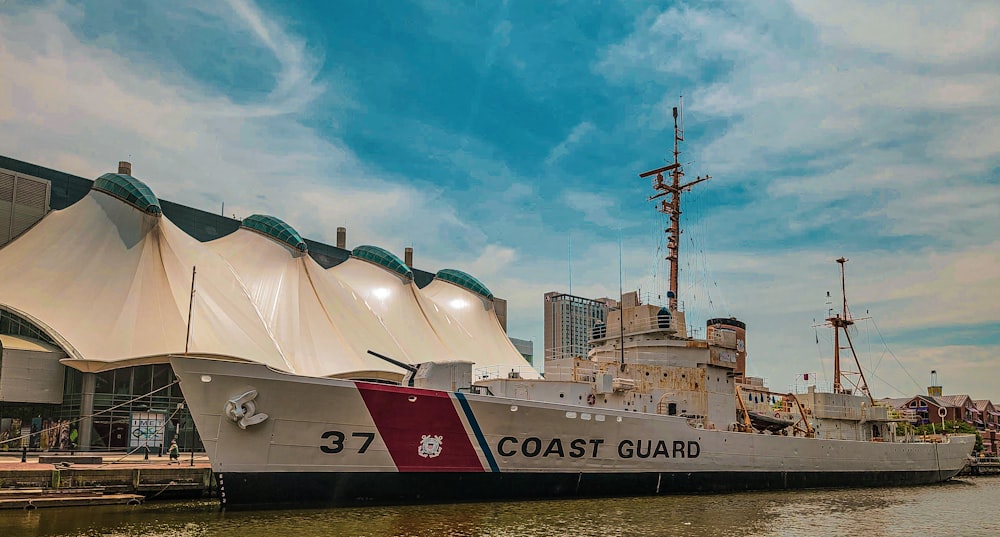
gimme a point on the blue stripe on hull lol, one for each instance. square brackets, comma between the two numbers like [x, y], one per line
[279, 489]
[483, 444]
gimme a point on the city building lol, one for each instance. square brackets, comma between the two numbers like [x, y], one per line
[989, 424]
[569, 321]
[526, 348]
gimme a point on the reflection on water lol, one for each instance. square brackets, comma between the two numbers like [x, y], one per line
[968, 507]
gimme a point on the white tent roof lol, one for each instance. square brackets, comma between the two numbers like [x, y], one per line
[318, 324]
[468, 324]
[392, 301]
[111, 283]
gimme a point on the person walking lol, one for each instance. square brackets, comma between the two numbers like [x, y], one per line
[175, 452]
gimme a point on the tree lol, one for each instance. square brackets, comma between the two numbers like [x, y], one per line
[951, 427]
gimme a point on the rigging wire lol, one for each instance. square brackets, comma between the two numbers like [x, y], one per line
[868, 338]
[883, 381]
[716, 302]
[819, 351]
[915, 383]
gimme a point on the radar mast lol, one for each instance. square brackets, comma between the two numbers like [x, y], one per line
[671, 206]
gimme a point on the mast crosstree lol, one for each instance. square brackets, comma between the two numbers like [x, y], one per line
[840, 321]
[671, 206]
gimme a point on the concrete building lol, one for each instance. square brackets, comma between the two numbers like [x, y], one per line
[526, 348]
[569, 321]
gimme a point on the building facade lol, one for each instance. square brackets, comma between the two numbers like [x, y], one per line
[935, 409]
[569, 321]
[526, 348]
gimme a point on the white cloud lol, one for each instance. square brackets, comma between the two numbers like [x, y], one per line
[923, 32]
[781, 295]
[574, 137]
[296, 83]
[76, 106]
[592, 207]
[968, 369]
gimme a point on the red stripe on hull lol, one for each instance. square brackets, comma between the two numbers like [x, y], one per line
[404, 416]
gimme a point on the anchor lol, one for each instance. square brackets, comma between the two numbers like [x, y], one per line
[242, 410]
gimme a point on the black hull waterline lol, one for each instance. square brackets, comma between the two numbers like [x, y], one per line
[281, 489]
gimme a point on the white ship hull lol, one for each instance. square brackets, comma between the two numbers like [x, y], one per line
[339, 442]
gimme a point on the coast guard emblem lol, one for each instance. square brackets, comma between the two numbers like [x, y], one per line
[430, 446]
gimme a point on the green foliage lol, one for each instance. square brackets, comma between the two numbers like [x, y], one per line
[951, 427]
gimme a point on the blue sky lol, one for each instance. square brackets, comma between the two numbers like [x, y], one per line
[490, 135]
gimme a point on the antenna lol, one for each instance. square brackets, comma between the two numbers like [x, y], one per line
[672, 205]
[621, 297]
[570, 256]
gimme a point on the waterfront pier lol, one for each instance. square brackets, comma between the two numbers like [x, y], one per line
[48, 480]
[983, 466]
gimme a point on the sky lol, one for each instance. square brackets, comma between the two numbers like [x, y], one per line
[505, 139]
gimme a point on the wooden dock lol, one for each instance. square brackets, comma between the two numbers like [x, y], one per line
[982, 466]
[126, 480]
[35, 498]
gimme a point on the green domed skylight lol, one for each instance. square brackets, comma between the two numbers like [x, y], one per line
[462, 279]
[130, 190]
[374, 254]
[276, 229]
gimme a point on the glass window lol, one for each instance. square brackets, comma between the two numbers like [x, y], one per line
[141, 379]
[104, 382]
[123, 381]
[74, 382]
[161, 377]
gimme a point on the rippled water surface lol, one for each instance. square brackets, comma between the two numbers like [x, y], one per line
[967, 507]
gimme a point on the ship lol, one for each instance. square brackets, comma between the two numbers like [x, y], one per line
[650, 410]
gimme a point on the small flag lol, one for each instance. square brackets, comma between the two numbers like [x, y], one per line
[805, 376]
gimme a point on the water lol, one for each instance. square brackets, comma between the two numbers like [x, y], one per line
[968, 507]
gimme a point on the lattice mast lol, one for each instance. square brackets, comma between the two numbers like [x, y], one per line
[672, 205]
[842, 321]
